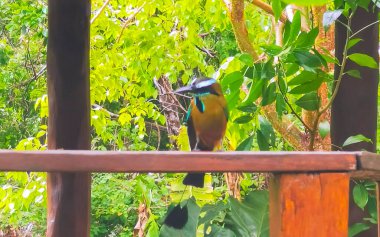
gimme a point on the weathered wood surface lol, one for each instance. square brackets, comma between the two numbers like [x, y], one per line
[97, 161]
[309, 205]
[68, 194]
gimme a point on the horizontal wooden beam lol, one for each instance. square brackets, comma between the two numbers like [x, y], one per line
[163, 161]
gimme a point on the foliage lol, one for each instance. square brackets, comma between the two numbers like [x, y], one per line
[132, 45]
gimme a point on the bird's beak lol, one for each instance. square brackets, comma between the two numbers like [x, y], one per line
[184, 89]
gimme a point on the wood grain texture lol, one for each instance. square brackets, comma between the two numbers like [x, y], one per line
[309, 205]
[97, 161]
[68, 194]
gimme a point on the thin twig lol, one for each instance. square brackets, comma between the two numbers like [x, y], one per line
[365, 27]
[129, 20]
[100, 11]
[39, 74]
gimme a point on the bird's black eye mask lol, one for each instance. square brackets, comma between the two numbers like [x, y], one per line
[200, 105]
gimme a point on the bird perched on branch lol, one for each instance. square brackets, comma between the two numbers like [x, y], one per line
[206, 124]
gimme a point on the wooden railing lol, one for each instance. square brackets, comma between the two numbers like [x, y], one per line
[309, 191]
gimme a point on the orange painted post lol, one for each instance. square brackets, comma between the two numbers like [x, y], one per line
[309, 205]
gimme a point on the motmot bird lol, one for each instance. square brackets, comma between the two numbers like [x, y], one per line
[206, 124]
[206, 120]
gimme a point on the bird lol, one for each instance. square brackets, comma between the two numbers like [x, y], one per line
[206, 121]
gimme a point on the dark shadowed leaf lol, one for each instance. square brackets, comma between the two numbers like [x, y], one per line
[269, 95]
[245, 145]
[212, 211]
[357, 228]
[360, 195]
[309, 101]
[243, 119]
[307, 60]
[248, 108]
[249, 217]
[280, 105]
[217, 231]
[354, 73]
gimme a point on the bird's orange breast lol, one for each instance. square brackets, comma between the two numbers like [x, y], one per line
[210, 125]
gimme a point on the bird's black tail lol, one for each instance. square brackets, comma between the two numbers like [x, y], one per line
[195, 179]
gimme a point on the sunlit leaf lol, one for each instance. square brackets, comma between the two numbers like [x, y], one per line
[363, 60]
[356, 139]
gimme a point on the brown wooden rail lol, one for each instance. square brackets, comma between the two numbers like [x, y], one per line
[127, 161]
[308, 191]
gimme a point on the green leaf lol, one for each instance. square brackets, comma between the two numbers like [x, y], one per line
[356, 139]
[303, 77]
[213, 230]
[307, 60]
[243, 119]
[251, 216]
[272, 50]
[306, 40]
[212, 211]
[232, 80]
[265, 135]
[246, 59]
[277, 9]
[324, 129]
[191, 226]
[309, 101]
[363, 60]
[329, 17]
[295, 27]
[254, 92]
[360, 195]
[262, 141]
[353, 42]
[245, 145]
[357, 228]
[307, 87]
[280, 105]
[354, 73]
[248, 108]
[269, 95]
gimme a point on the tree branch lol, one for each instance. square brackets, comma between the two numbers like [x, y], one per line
[236, 14]
[268, 9]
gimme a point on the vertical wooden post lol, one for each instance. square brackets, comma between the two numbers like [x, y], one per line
[309, 205]
[354, 110]
[69, 114]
